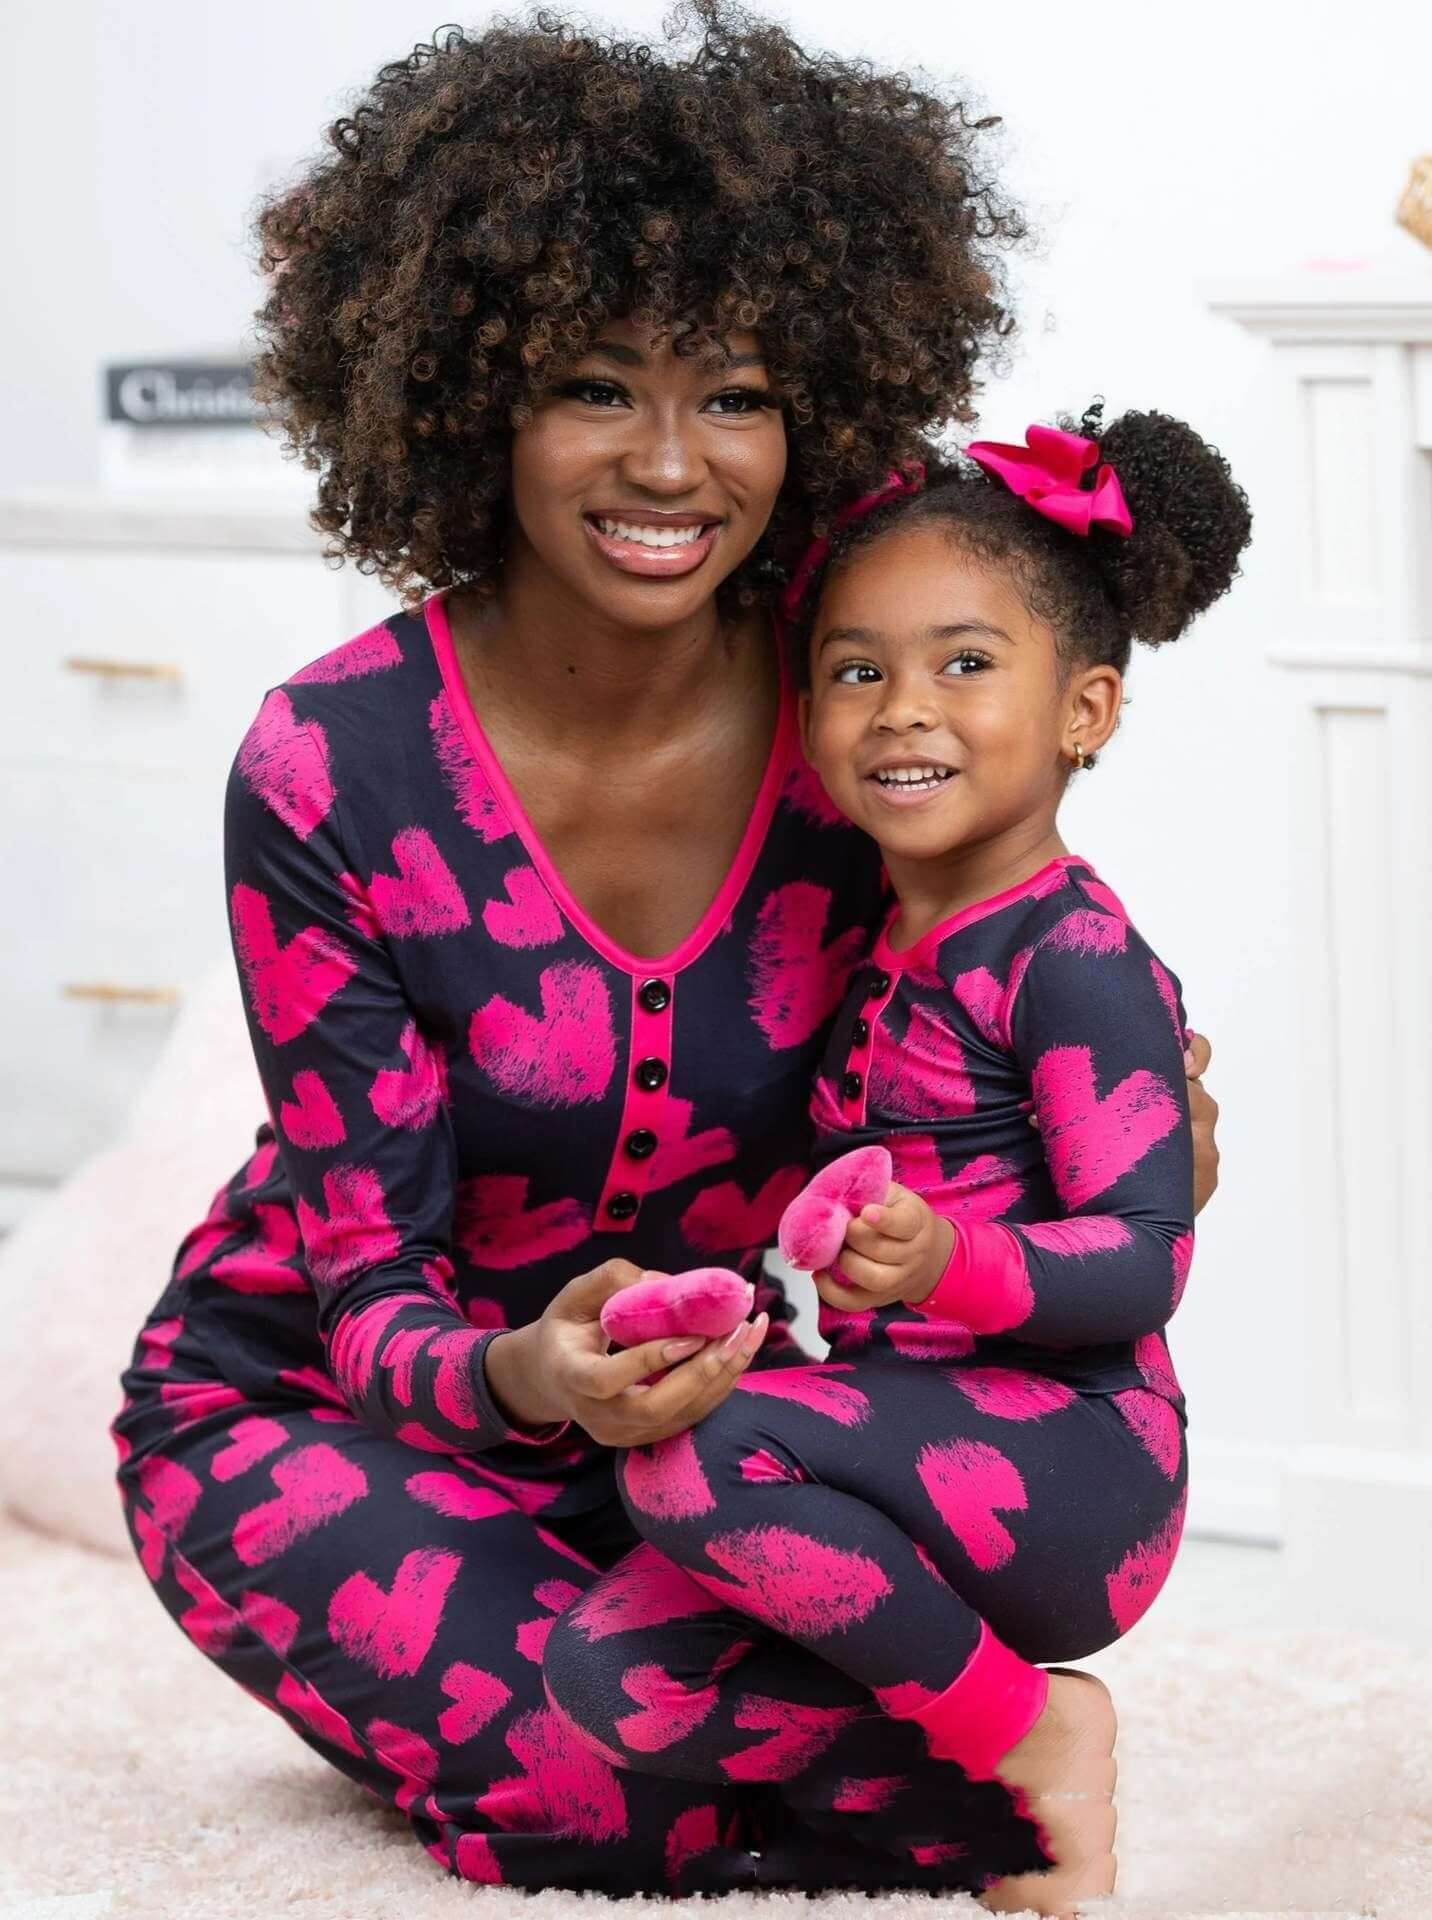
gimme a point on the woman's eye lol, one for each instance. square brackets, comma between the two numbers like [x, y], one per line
[596, 393]
[743, 400]
[967, 662]
[856, 673]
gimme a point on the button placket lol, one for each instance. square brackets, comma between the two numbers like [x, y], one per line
[645, 1115]
[855, 1081]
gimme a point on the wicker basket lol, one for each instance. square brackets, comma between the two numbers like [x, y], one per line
[1414, 209]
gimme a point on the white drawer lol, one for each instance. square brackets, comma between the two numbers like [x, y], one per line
[113, 882]
[157, 659]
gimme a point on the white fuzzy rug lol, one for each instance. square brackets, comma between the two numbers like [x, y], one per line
[1274, 1774]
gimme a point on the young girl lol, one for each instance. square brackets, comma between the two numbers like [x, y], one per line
[940, 1531]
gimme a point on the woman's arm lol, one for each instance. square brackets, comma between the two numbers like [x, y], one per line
[357, 1098]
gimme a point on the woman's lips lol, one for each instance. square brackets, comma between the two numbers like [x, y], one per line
[661, 563]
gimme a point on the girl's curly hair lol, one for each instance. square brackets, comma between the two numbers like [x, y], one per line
[494, 199]
[1101, 591]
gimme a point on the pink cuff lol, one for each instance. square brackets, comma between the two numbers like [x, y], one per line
[985, 1285]
[988, 1708]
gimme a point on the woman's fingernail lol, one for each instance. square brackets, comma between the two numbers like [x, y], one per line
[735, 1338]
[674, 1349]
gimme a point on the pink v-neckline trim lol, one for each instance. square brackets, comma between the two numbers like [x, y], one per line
[922, 951]
[738, 874]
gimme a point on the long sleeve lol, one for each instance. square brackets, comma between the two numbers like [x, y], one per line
[1098, 1028]
[357, 1097]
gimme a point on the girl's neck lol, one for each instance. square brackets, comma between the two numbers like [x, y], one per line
[537, 646]
[930, 891]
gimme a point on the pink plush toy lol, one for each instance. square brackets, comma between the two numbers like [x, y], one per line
[812, 1229]
[709, 1301]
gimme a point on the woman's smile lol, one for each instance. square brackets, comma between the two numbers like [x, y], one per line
[659, 545]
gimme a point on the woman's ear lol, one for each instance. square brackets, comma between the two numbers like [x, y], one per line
[1094, 702]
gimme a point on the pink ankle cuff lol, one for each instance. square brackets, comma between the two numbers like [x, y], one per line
[987, 1708]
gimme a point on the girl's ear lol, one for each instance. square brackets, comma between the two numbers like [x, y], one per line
[1094, 702]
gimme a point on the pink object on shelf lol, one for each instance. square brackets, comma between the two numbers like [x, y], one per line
[812, 1229]
[709, 1301]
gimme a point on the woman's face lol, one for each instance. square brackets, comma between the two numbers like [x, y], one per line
[645, 478]
[939, 715]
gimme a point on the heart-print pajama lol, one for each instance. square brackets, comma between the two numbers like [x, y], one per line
[992, 1479]
[474, 1095]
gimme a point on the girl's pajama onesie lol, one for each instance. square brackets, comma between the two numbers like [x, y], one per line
[474, 1095]
[1000, 1468]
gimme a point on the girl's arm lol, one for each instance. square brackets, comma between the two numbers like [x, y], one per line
[357, 1098]
[1098, 1027]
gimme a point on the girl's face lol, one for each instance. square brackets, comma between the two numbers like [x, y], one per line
[938, 717]
[645, 477]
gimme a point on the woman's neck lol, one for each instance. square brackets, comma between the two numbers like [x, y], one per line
[933, 890]
[537, 645]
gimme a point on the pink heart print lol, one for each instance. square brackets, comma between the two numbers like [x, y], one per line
[496, 1228]
[311, 1119]
[723, 1217]
[796, 979]
[424, 898]
[670, 1711]
[563, 1058]
[528, 917]
[316, 1484]
[284, 760]
[1091, 1143]
[813, 1226]
[288, 986]
[470, 787]
[411, 1098]
[392, 1629]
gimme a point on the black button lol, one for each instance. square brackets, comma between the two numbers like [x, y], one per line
[641, 1143]
[880, 984]
[650, 1074]
[654, 995]
[622, 1206]
[860, 1033]
[851, 1084]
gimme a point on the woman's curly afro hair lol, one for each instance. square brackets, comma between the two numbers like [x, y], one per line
[495, 198]
[1101, 591]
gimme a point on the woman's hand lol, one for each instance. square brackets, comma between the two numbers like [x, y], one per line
[893, 1254]
[1203, 1110]
[559, 1368]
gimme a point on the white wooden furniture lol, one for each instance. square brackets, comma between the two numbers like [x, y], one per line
[1352, 358]
[140, 635]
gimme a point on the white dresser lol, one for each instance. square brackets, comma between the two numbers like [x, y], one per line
[139, 637]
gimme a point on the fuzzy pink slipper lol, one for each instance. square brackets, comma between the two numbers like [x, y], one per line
[709, 1301]
[812, 1229]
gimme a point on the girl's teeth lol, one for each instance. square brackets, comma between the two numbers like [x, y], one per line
[914, 777]
[651, 536]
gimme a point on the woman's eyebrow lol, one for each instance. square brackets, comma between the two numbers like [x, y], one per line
[868, 636]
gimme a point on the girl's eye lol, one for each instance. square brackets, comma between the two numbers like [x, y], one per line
[864, 673]
[744, 399]
[596, 393]
[967, 662]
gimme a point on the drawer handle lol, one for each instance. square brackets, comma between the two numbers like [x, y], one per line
[104, 990]
[125, 669]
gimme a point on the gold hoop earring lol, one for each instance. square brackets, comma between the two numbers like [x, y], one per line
[1079, 756]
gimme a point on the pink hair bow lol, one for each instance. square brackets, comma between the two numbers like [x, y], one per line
[1049, 473]
[897, 481]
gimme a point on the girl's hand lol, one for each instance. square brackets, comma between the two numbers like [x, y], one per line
[892, 1254]
[560, 1368]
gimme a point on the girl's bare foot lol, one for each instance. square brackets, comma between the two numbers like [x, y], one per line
[1066, 1769]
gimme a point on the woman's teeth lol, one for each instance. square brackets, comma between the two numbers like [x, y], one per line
[915, 779]
[651, 536]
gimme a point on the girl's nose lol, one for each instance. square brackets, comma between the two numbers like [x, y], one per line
[664, 455]
[904, 709]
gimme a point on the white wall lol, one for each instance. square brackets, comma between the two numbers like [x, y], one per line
[1156, 146]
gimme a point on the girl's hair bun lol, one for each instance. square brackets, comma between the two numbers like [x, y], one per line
[1191, 522]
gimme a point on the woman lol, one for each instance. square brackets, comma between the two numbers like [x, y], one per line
[541, 918]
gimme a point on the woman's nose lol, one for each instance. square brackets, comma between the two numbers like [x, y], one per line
[664, 455]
